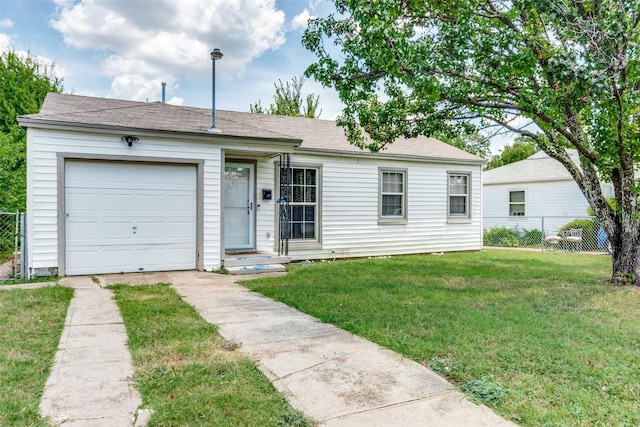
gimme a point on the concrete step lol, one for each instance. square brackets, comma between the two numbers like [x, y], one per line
[255, 259]
[256, 269]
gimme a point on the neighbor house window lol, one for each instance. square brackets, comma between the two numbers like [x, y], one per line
[303, 203]
[516, 203]
[458, 190]
[393, 196]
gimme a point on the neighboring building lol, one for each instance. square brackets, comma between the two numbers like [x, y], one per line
[122, 186]
[519, 195]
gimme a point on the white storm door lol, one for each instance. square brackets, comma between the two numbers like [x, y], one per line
[239, 212]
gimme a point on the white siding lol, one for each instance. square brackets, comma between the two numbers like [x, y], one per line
[42, 193]
[349, 206]
[557, 201]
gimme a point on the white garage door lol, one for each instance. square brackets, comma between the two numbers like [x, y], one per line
[129, 217]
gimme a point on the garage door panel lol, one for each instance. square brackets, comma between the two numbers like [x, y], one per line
[181, 203]
[113, 232]
[151, 203]
[79, 201]
[83, 232]
[151, 232]
[182, 230]
[116, 175]
[82, 175]
[132, 217]
[117, 202]
[181, 178]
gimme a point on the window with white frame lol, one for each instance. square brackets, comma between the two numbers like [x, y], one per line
[516, 203]
[303, 203]
[393, 195]
[458, 191]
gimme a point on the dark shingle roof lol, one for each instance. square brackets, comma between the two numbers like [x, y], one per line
[312, 134]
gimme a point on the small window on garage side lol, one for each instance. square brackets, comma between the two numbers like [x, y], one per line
[459, 195]
[393, 196]
[516, 203]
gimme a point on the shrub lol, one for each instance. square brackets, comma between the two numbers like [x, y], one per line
[531, 237]
[501, 236]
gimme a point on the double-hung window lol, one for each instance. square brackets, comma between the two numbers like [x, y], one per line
[303, 203]
[459, 194]
[516, 203]
[392, 196]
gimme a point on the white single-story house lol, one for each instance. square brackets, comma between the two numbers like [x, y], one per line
[522, 194]
[121, 186]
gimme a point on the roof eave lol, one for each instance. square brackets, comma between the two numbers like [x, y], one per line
[388, 156]
[528, 181]
[28, 122]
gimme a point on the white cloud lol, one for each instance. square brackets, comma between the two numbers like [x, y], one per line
[301, 21]
[176, 100]
[6, 23]
[144, 43]
[5, 41]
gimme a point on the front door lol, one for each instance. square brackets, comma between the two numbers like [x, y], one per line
[239, 213]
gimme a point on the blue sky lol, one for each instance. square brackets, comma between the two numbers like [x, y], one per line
[126, 48]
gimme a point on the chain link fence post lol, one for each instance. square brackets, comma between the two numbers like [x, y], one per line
[10, 244]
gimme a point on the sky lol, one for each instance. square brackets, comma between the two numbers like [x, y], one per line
[125, 49]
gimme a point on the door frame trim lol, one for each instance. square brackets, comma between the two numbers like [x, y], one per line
[61, 219]
[252, 197]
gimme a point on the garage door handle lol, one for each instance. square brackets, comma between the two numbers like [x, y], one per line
[134, 229]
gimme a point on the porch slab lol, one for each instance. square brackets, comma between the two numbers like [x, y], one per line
[256, 269]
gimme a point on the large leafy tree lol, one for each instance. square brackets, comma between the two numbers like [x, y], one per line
[288, 101]
[24, 82]
[519, 149]
[571, 67]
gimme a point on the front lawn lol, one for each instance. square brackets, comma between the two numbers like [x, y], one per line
[187, 373]
[544, 339]
[31, 322]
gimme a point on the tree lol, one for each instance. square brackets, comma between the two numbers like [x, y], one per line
[570, 67]
[24, 82]
[474, 143]
[288, 101]
[519, 149]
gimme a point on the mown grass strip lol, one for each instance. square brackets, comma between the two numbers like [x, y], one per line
[187, 373]
[542, 338]
[31, 322]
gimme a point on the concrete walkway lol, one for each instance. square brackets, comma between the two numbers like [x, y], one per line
[90, 382]
[332, 376]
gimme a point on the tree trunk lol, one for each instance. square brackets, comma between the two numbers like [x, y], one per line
[626, 253]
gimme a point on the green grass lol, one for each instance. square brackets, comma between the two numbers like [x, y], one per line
[544, 339]
[31, 322]
[187, 373]
[37, 279]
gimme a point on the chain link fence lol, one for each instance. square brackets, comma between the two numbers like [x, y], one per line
[11, 227]
[550, 233]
